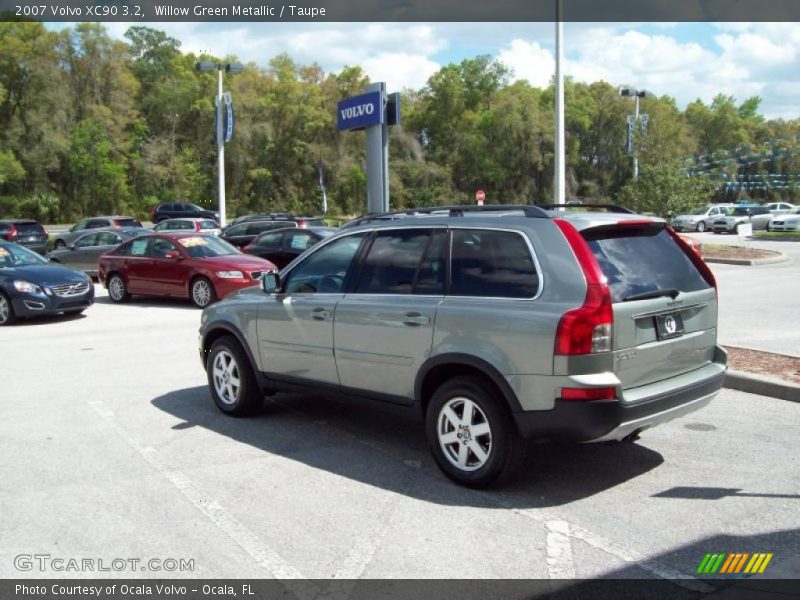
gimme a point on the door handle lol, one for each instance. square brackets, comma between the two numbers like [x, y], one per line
[414, 319]
[320, 314]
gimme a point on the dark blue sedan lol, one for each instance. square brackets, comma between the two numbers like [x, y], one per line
[31, 286]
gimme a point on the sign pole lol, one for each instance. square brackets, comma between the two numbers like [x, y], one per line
[220, 151]
[378, 157]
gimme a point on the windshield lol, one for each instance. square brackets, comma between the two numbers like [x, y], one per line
[13, 255]
[206, 246]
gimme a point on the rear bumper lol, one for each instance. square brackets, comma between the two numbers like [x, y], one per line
[605, 420]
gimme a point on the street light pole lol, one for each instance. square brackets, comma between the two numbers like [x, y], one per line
[559, 191]
[632, 127]
[220, 152]
[207, 66]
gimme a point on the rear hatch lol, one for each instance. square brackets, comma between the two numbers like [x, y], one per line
[664, 302]
[29, 232]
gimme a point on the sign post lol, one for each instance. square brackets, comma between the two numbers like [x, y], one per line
[480, 196]
[369, 111]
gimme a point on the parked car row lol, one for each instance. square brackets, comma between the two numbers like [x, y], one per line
[726, 218]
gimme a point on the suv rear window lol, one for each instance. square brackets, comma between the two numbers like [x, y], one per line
[28, 228]
[128, 222]
[642, 260]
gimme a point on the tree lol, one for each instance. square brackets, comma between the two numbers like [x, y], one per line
[664, 190]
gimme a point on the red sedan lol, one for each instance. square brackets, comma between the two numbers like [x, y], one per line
[201, 267]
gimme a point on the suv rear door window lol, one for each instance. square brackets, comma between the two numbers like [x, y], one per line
[393, 261]
[495, 264]
[642, 260]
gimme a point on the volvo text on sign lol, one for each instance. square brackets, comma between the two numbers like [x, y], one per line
[359, 112]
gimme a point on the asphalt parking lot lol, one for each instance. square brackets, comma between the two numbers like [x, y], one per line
[112, 448]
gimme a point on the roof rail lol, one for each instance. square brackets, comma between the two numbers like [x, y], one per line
[614, 208]
[529, 210]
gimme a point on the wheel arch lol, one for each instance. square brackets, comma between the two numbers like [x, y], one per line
[438, 369]
[222, 329]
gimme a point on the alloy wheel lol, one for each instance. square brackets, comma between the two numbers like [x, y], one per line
[5, 310]
[201, 292]
[227, 378]
[464, 434]
[116, 288]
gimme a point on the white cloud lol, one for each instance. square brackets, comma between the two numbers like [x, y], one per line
[400, 70]
[530, 61]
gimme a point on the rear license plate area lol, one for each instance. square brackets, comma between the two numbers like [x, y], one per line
[669, 326]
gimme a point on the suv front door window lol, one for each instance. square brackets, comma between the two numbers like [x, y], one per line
[295, 326]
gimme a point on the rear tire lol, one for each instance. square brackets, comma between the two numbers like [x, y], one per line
[231, 380]
[117, 290]
[7, 316]
[471, 434]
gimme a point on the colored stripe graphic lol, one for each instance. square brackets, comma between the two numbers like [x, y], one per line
[734, 563]
[711, 562]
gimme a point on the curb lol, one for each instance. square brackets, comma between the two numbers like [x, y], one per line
[751, 262]
[761, 385]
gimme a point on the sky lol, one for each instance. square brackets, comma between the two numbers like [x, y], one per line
[684, 60]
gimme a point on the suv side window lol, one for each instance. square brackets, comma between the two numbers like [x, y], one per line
[270, 240]
[491, 263]
[405, 261]
[325, 270]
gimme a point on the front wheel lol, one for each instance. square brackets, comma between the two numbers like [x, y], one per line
[701, 226]
[231, 380]
[202, 292]
[117, 290]
[471, 434]
[6, 311]
[59, 245]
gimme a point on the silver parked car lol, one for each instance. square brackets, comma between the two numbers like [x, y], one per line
[65, 238]
[700, 219]
[785, 222]
[84, 253]
[502, 324]
[758, 216]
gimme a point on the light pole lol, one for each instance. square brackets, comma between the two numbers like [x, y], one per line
[559, 187]
[633, 123]
[205, 66]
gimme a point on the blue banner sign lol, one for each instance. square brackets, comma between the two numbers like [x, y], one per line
[227, 118]
[359, 112]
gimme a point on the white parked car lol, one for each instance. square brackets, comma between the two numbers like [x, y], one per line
[786, 222]
[701, 219]
[189, 224]
[780, 208]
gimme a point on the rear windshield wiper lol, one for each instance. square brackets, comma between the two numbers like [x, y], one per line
[671, 292]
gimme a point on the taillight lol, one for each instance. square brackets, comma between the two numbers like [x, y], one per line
[12, 232]
[695, 257]
[606, 393]
[301, 224]
[116, 223]
[197, 225]
[586, 329]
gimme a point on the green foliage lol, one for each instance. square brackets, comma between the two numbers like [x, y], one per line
[665, 190]
[92, 124]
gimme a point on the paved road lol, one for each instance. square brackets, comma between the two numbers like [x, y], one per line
[111, 448]
[758, 305]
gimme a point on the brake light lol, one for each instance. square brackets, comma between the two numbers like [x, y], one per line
[635, 223]
[197, 225]
[606, 393]
[586, 329]
[695, 257]
[116, 223]
[301, 224]
[12, 232]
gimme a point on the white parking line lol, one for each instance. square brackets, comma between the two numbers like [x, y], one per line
[264, 556]
[560, 564]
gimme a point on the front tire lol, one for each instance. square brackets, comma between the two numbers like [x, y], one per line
[7, 316]
[471, 434]
[231, 380]
[59, 245]
[701, 227]
[117, 290]
[202, 293]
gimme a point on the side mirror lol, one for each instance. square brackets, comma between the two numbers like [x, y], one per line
[270, 282]
[173, 254]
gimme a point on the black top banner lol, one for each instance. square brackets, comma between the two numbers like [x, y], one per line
[404, 10]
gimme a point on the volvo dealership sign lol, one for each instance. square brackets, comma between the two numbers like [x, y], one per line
[360, 112]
